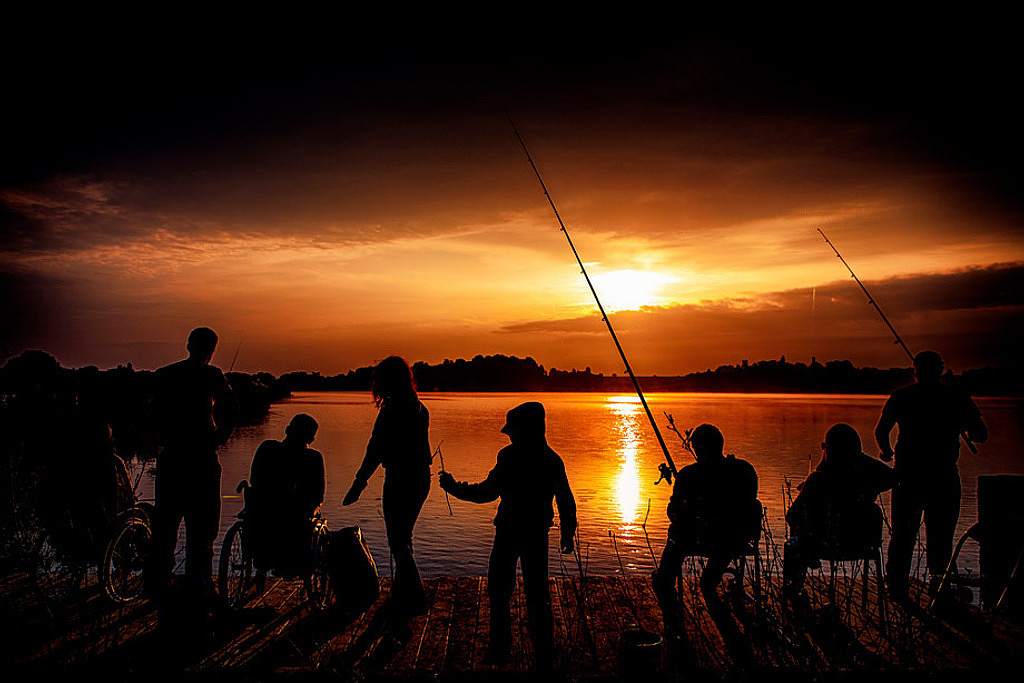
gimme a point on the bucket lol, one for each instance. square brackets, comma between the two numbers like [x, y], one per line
[639, 652]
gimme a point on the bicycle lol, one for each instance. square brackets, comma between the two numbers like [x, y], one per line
[126, 554]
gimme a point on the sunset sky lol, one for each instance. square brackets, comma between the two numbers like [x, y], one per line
[328, 202]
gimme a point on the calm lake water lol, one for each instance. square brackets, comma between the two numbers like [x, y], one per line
[611, 457]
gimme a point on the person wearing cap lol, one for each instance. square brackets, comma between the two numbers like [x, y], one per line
[398, 443]
[835, 509]
[526, 477]
[195, 409]
[931, 416]
[286, 482]
[713, 512]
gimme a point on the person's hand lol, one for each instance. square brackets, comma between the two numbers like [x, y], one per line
[445, 480]
[353, 493]
[886, 456]
[568, 546]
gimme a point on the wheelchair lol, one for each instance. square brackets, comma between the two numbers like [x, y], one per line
[68, 547]
[238, 572]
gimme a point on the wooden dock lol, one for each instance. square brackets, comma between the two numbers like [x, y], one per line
[277, 636]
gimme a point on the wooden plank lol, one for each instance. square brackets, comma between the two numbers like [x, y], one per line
[465, 627]
[283, 601]
[484, 628]
[344, 652]
[450, 640]
[404, 661]
[434, 645]
[522, 648]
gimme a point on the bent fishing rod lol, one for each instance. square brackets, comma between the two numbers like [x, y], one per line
[895, 334]
[668, 468]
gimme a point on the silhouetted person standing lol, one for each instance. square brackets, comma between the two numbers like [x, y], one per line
[930, 416]
[527, 476]
[286, 482]
[399, 444]
[835, 510]
[713, 512]
[193, 403]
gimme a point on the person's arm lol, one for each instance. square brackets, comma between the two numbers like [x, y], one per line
[483, 492]
[883, 476]
[258, 470]
[225, 408]
[375, 447]
[678, 501]
[882, 430]
[315, 486]
[977, 431]
[566, 504]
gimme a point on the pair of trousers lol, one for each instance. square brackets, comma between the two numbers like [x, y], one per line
[402, 500]
[529, 549]
[936, 496]
[186, 491]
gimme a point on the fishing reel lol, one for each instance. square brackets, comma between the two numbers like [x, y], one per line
[666, 474]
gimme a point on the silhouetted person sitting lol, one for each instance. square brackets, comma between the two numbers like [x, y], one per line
[527, 476]
[192, 404]
[835, 513]
[713, 512]
[930, 416]
[286, 488]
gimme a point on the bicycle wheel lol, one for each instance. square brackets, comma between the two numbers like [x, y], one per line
[55, 572]
[125, 559]
[319, 588]
[234, 575]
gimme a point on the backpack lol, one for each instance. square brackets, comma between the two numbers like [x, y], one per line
[352, 570]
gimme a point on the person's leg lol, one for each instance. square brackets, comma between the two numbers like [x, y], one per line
[169, 510]
[906, 518]
[538, 597]
[501, 582]
[794, 570]
[202, 522]
[715, 568]
[941, 513]
[402, 502]
[663, 581]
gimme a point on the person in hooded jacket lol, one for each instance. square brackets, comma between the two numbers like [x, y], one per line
[528, 474]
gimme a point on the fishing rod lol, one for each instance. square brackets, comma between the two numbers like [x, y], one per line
[895, 334]
[668, 468]
[237, 349]
[871, 299]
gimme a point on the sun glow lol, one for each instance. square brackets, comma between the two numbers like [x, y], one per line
[624, 290]
[626, 409]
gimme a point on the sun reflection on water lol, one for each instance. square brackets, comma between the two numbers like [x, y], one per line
[627, 412]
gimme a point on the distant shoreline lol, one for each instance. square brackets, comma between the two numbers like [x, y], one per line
[499, 373]
[630, 391]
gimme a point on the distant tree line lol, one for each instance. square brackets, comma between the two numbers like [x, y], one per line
[509, 373]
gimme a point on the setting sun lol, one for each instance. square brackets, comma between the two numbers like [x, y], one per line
[623, 290]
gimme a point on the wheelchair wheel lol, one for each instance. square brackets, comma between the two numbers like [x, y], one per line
[234, 575]
[125, 558]
[55, 572]
[319, 587]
